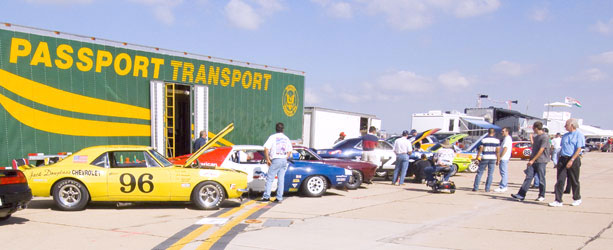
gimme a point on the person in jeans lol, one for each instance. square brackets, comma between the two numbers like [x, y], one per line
[402, 149]
[537, 163]
[276, 149]
[490, 150]
[443, 159]
[505, 155]
[569, 163]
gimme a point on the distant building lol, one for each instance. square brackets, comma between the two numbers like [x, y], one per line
[451, 122]
[520, 124]
[557, 119]
[321, 126]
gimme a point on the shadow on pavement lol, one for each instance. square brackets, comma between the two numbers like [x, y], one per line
[49, 204]
[13, 220]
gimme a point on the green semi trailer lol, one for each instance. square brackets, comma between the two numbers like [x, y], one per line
[63, 92]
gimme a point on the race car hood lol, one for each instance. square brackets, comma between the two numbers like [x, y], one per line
[208, 144]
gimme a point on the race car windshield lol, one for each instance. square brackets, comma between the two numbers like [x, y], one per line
[160, 158]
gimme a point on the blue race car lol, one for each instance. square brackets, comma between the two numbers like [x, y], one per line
[311, 179]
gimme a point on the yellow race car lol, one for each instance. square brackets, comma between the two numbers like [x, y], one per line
[133, 173]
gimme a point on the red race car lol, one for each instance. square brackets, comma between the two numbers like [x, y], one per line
[362, 171]
[521, 150]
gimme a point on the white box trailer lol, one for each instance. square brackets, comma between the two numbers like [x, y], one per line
[323, 126]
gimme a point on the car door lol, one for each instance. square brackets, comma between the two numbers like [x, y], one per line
[386, 154]
[136, 176]
[253, 162]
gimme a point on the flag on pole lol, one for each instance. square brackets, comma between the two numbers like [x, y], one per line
[572, 101]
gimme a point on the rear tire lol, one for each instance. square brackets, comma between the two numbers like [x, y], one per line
[70, 195]
[208, 195]
[314, 186]
[357, 180]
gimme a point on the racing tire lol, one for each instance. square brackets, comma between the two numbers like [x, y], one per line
[356, 181]
[452, 191]
[208, 195]
[473, 167]
[314, 186]
[70, 195]
[454, 169]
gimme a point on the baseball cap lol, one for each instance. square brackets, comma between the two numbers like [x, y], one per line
[342, 134]
[413, 131]
[405, 133]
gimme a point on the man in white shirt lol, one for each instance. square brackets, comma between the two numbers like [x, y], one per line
[505, 155]
[556, 143]
[403, 149]
[443, 159]
[276, 149]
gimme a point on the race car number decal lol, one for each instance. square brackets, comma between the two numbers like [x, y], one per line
[131, 183]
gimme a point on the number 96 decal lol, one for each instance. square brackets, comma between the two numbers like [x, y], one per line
[129, 183]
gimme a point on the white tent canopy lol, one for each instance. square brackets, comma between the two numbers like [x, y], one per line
[588, 130]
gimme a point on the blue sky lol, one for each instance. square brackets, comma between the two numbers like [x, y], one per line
[390, 58]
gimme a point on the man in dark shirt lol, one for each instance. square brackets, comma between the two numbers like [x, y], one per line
[537, 163]
[200, 141]
[369, 143]
[419, 168]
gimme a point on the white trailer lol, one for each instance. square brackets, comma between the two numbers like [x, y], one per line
[323, 126]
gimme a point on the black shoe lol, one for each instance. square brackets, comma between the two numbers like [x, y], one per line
[517, 197]
[277, 201]
[265, 200]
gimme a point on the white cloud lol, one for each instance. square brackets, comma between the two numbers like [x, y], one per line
[162, 9]
[417, 14]
[453, 79]
[402, 14]
[471, 8]
[510, 68]
[605, 57]
[250, 15]
[592, 75]
[60, 1]
[539, 15]
[337, 9]
[311, 97]
[604, 28]
[404, 81]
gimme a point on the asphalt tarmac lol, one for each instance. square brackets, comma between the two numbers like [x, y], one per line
[377, 216]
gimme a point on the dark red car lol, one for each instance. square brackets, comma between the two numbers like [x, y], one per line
[362, 171]
[521, 150]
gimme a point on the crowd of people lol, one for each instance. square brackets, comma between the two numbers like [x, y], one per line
[563, 150]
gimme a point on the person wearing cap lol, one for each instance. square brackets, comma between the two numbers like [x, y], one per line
[443, 159]
[341, 137]
[402, 149]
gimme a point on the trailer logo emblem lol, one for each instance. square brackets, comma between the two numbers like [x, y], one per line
[290, 100]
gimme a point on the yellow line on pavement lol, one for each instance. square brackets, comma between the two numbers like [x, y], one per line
[191, 236]
[208, 243]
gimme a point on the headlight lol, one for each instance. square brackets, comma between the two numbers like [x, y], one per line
[348, 172]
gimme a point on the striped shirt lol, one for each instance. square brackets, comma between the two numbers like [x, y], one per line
[490, 144]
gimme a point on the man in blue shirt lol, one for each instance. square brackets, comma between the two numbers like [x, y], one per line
[569, 163]
[200, 141]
